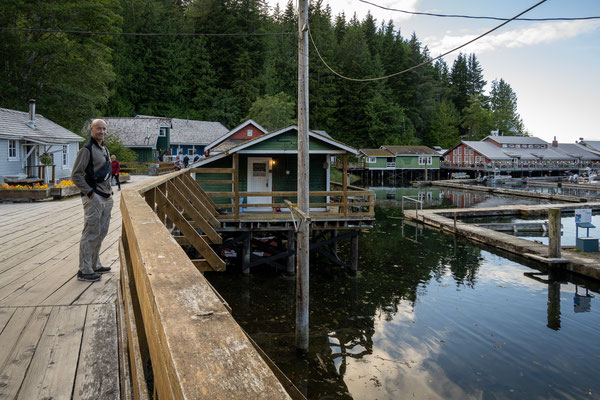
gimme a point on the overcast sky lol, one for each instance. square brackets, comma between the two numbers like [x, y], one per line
[553, 67]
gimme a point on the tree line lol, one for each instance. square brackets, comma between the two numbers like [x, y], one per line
[251, 73]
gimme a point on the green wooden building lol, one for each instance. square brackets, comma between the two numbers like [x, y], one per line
[268, 165]
[400, 157]
[391, 164]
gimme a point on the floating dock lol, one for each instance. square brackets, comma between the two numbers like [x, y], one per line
[511, 192]
[587, 264]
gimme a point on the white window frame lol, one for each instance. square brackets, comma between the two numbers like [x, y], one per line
[477, 159]
[14, 148]
[425, 160]
[504, 145]
[190, 152]
[162, 131]
[470, 159]
[459, 151]
[249, 132]
[65, 156]
[371, 160]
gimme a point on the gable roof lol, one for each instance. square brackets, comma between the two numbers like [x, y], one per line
[495, 153]
[14, 126]
[577, 151]
[252, 142]
[410, 150]
[140, 131]
[515, 139]
[376, 152]
[593, 145]
[187, 131]
[222, 138]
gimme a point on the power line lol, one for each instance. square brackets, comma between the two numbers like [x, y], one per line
[479, 17]
[425, 62]
[144, 33]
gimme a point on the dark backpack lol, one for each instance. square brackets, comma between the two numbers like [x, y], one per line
[94, 178]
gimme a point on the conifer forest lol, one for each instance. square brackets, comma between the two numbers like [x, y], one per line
[229, 60]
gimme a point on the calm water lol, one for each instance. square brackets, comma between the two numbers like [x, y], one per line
[434, 197]
[428, 317]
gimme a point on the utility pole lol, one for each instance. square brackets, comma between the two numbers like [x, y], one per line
[302, 248]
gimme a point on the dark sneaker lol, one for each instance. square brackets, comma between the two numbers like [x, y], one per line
[102, 270]
[93, 277]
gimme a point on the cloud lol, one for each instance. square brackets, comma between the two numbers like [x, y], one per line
[538, 33]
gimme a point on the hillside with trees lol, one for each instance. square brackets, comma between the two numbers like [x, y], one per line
[249, 73]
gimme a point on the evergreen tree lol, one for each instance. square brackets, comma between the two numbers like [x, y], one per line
[503, 102]
[475, 80]
[67, 73]
[444, 128]
[477, 119]
[459, 78]
[273, 112]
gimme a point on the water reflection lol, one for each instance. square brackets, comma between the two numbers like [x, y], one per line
[428, 316]
[433, 197]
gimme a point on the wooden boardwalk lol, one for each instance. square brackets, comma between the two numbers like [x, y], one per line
[58, 335]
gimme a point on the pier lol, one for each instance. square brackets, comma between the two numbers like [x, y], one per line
[587, 264]
[153, 325]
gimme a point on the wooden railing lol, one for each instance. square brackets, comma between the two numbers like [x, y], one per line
[41, 171]
[175, 320]
[349, 203]
[142, 168]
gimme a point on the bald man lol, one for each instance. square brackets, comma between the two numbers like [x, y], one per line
[91, 174]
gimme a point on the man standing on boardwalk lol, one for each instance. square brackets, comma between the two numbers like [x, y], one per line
[91, 174]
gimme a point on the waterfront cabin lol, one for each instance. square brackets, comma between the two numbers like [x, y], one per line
[414, 157]
[377, 159]
[388, 164]
[259, 174]
[245, 131]
[28, 139]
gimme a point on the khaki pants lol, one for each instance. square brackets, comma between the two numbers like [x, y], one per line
[96, 214]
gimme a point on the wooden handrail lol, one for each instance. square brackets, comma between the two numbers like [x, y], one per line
[189, 331]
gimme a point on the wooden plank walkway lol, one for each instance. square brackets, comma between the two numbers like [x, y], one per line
[58, 335]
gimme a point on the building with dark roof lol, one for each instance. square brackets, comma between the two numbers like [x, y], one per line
[150, 137]
[25, 137]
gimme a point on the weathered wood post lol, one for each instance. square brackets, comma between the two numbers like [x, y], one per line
[554, 232]
[236, 193]
[291, 261]
[454, 221]
[246, 250]
[303, 239]
[354, 255]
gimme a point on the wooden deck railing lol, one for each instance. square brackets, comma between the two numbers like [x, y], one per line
[141, 168]
[345, 202]
[175, 320]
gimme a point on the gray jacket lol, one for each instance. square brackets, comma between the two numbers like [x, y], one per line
[81, 162]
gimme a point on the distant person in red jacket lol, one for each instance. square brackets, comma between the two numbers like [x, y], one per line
[116, 168]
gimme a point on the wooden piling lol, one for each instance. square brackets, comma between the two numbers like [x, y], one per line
[291, 261]
[354, 255]
[246, 250]
[554, 232]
